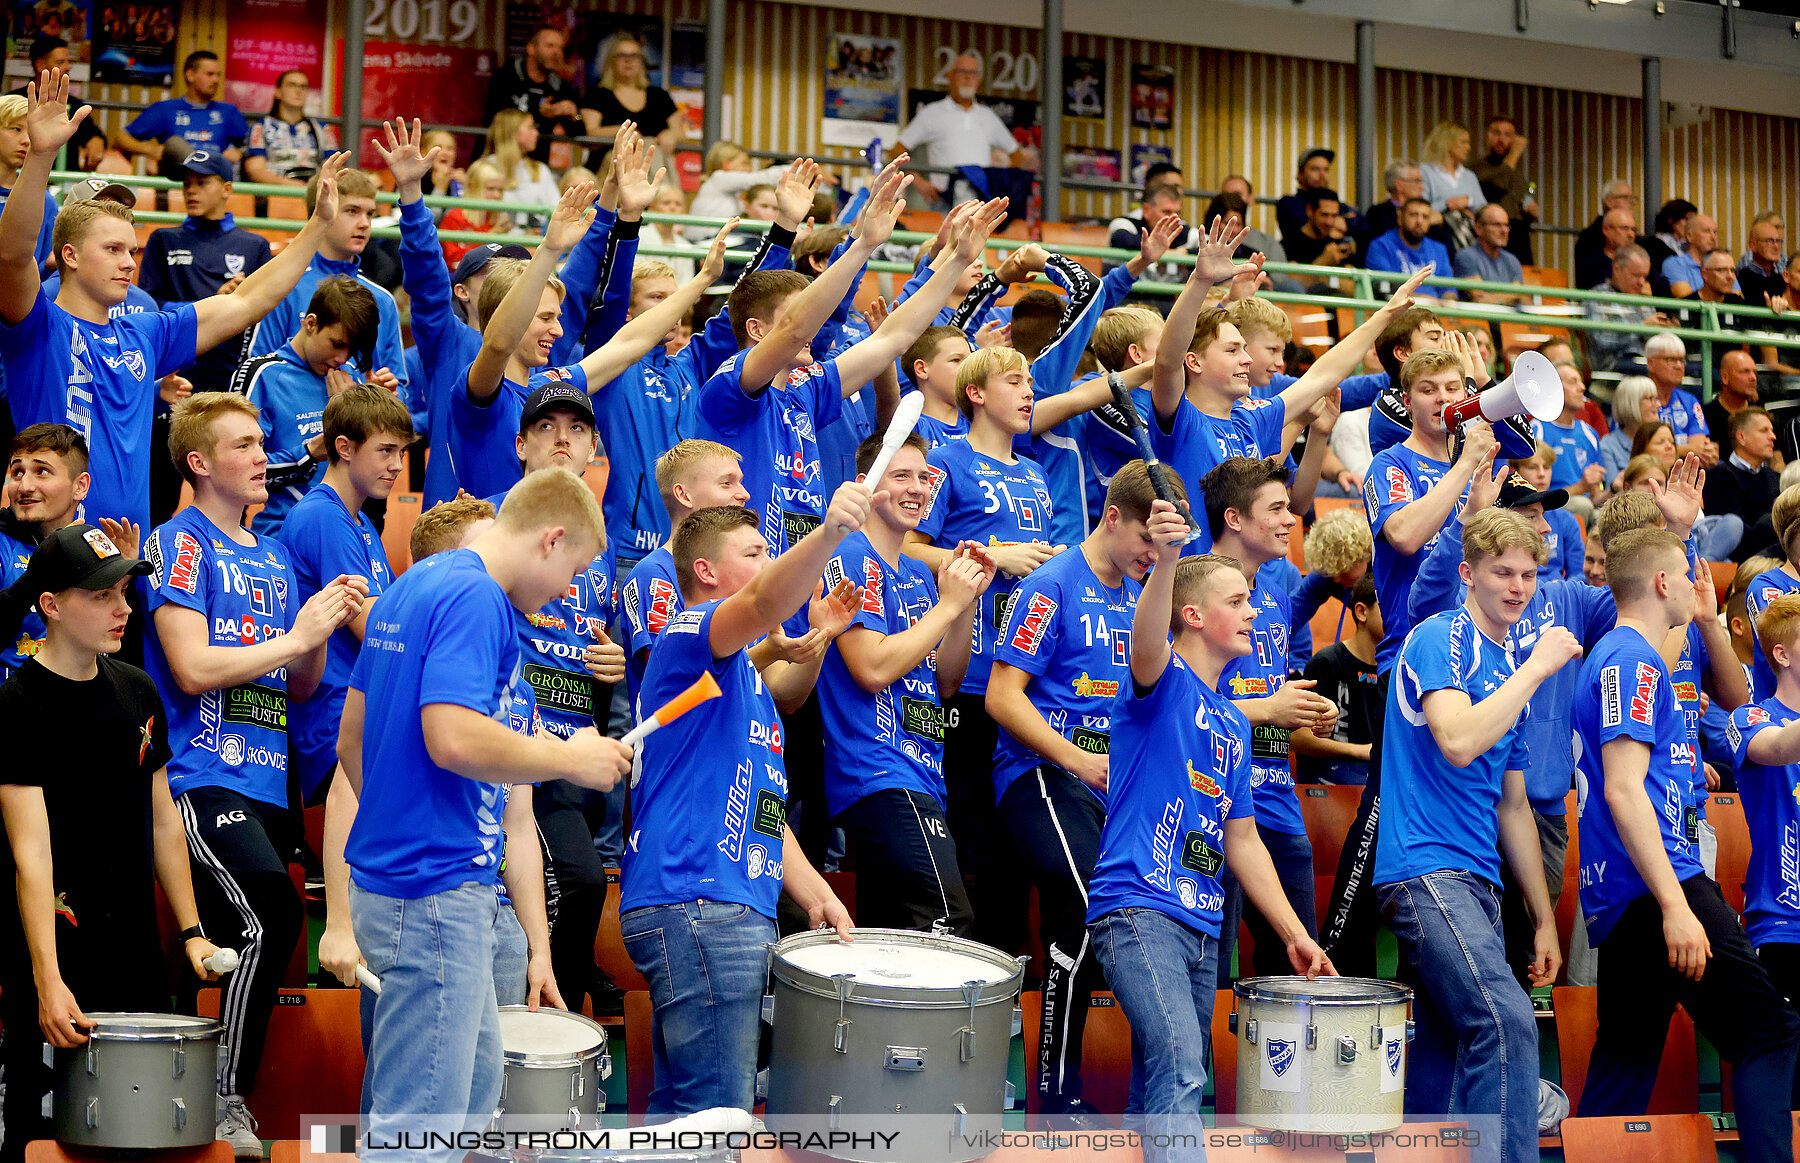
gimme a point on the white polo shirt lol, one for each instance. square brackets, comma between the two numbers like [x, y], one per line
[955, 136]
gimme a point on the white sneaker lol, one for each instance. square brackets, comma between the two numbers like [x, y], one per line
[237, 1127]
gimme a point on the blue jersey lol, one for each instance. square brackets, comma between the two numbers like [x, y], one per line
[446, 344]
[776, 431]
[291, 149]
[1772, 808]
[1577, 446]
[1435, 816]
[894, 738]
[237, 737]
[1565, 546]
[444, 634]
[709, 797]
[976, 497]
[1687, 676]
[1179, 769]
[483, 438]
[1683, 415]
[554, 640]
[1397, 477]
[1768, 586]
[213, 126]
[649, 597]
[1071, 633]
[1624, 692]
[283, 322]
[1258, 675]
[136, 302]
[15, 555]
[324, 539]
[290, 401]
[190, 262]
[51, 210]
[937, 433]
[1283, 575]
[100, 381]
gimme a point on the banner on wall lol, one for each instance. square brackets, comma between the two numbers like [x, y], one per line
[134, 44]
[1091, 163]
[1152, 96]
[407, 80]
[1084, 88]
[862, 90]
[1143, 157]
[266, 38]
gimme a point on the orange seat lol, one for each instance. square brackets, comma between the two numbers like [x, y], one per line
[923, 221]
[1726, 814]
[1723, 574]
[291, 209]
[1328, 811]
[1423, 1143]
[240, 205]
[396, 533]
[595, 476]
[51, 1151]
[313, 1063]
[1056, 235]
[1330, 624]
[1667, 1138]
[1105, 1052]
[1224, 1065]
[640, 1056]
[1312, 326]
[1545, 277]
[1677, 1081]
[300, 1151]
[609, 945]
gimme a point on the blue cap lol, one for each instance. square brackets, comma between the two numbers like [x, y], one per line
[478, 257]
[208, 165]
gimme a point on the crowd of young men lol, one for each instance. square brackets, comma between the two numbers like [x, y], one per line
[1005, 663]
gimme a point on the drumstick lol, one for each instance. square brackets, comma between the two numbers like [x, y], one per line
[368, 979]
[223, 961]
[1140, 432]
[906, 416]
[705, 687]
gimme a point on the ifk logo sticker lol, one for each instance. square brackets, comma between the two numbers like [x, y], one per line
[1281, 1056]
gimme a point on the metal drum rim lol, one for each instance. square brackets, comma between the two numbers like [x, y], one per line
[919, 997]
[558, 1060]
[193, 1029]
[1380, 993]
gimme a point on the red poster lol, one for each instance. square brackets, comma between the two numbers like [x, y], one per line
[410, 80]
[266, 38]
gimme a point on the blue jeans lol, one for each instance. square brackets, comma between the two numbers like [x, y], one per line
[1163, 974]
[434, 1053]
[1476, 1051]
[1717, 534]
[706, 963]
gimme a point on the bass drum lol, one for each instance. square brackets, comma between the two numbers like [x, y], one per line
[141, 1080]
[1326, 1056]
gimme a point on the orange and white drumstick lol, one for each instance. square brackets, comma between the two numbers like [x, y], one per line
[705, 687]
[223, 961]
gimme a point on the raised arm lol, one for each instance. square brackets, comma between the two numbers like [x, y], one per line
[1345, 356]
[1465, 730]
[1410, 526]
[1150, 621]
[49, 127]
[505, 330]
[636, 338]
[1212, 265]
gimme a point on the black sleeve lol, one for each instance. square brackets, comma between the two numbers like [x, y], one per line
[22, 725]
[159, 753]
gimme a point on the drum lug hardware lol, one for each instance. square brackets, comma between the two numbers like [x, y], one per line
[836, 1110]
[762, 1083]
[1374, 1037]
[1312, 1037]
[1409, 1029]
[1231, 1022]
[49, 1054]
[966, 1035]
[180, 1114]
[180, 1065]
[1018, 1022]
[768, 1009]
[907, 1057]
[93, 1058]
[962, 1118]
[1346, 1049]
[576, 1089]
[1012, 1096]
[840, 1038]
[47, 1108]
[1249, 1030]
[93, 1113]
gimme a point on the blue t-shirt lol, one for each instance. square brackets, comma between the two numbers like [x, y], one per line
[1772, 808]
[1565, 546]
[1624, 692]
[1396, 477]
[709, 796]
[776, 431]
[976, 497]
[483, 438]
[895, 738]
[443, 634]
[1683, 415]
[937, 433]
[1071, 633]
[1258, 675]
[1179, 769]
[1435, 816]
[554, 640]
[290, 401]
[1768, 586]
[1577, 446]
[282, 323]
[51, 210]
[15, 555]
[214, 126]
[101, 381]
[325, 539]
[650, 596]
[1389, 252]
[235, 738]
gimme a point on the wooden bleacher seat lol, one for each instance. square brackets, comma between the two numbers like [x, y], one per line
[1105, 1053]
[640, 1057]
[1422, 1143]
[313, 1063]
[923, 221]
[1328, 811]
[291, 209]
[1726, 814]
[1667, 1138]
[1678, 1080]
[609, 946]
[300, 1151]
[240, 205]
[51, 1151]
[1545, 277]
[1312, 326]
[396, 534]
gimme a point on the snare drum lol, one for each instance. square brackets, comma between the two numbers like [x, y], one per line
[555, 1061]
[1326, 1056]
[893, 1023]
[141, 1080]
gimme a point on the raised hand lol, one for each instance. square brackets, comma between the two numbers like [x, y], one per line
[1463, 348]
[48, 125]
[1155, 242]
[400, 154]
[794, 192]
[937, 245]
[1402, 298]
[385, 379]
[1168, 529]
[123, 534]
[1022, 263]
[637, 188]
[1679, 499]
[875, 225]
[994, 332]
[1325, 413]
[1706, 604]
[1484, 487]
[713, 265]
[1249, 276]
[326, 203]
[850, 507]
[876, 312]
[1212, 256]
[973, 233]
[574, 212]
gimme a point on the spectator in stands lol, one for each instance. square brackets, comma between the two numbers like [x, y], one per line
[1254, 239]
[486, 181]
[1487, 258]
[958, 131]
[195, 117]
[1784, 357]
[1294, 211]
[1314, 242]
[512, 142]
[1614, 195]
[1760, 272]
[670, 200]
[446, 177]
[1665, 358]
[626, 94]
[1718, 280]
[1405, 248]
[1502, 184]
[1634, 404]
[1169, 174]
[1745, 484]
[287, 146]
[1575, 462]
[1402, 179]
[1668, 234]
[1699, 234]
[1622, 351]
[1737, 391]
[1450, 186]
[14, 146]
[729, 172]
[88, 145]
[1157, 203]
[1618, 230]
[534, 84]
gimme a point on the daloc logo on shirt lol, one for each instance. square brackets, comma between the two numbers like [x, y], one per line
[1281, 1055]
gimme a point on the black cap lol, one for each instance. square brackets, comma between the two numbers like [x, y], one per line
[1329, 155]
[479, 256]
[556, 393]
[75, 556]
[1516, 492]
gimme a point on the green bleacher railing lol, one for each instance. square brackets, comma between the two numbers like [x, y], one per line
[1366, 296]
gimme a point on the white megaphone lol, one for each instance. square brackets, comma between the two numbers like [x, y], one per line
[1534, 388]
